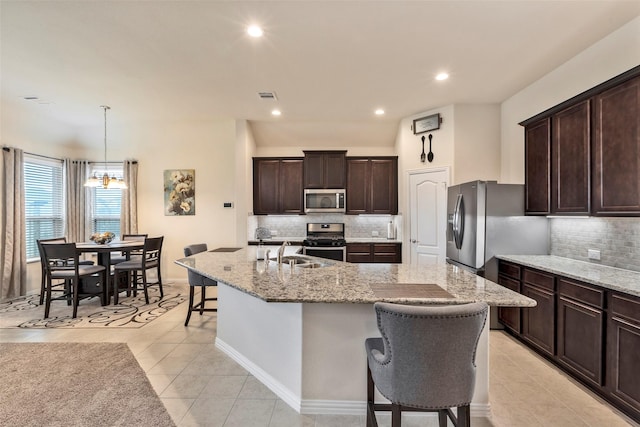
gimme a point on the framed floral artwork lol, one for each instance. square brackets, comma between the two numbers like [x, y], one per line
[180, 192]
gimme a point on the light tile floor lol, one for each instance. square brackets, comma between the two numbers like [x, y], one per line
[200, 386]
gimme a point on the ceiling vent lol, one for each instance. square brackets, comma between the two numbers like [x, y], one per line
[269, 96]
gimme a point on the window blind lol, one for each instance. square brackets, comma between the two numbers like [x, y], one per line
[44, 206]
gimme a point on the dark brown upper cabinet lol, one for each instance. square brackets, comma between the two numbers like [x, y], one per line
[582, 157]
[372, 185]
[277, 186]
[570, 154]
[616, 189]
[325, 169]
[537, 156]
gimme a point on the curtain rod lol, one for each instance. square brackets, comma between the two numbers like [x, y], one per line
[112, 162]
[55, 158]
[34, 154]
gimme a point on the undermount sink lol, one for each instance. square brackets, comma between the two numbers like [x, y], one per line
[304, 261]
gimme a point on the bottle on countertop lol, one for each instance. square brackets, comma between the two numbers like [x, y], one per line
[391, 231]
[260, 251]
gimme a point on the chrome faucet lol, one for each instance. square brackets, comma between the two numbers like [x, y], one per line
[281, 251]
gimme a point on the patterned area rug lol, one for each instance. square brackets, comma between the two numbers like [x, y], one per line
[131, 312]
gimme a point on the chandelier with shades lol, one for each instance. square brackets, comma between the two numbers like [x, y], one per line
[105, 181]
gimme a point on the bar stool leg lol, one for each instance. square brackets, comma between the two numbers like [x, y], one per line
[191, 291]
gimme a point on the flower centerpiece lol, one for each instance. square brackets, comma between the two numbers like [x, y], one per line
[102, 238]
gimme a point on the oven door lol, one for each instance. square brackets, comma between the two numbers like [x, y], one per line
[337, 253]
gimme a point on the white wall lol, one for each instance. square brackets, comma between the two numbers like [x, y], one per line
[468, 141]
[209, 147]
[477, 142]
[613, 55]
[409, 146]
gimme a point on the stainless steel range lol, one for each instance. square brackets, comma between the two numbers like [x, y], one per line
[325, 240]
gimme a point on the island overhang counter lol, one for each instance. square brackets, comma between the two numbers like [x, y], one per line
[301, 331]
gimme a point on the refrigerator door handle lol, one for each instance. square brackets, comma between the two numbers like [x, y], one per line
[458, 222]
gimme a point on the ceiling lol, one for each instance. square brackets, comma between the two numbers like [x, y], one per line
[331, 63]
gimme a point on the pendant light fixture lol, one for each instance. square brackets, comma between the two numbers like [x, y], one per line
[105, 181]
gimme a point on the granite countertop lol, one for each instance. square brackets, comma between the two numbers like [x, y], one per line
[343, 282]
[617, 279]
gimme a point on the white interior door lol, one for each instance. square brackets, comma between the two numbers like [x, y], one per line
[428, 216]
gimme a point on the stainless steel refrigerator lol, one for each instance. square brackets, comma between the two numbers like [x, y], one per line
[487, 219]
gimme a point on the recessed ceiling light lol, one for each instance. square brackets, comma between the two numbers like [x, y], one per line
[379, 112]
[255, 31]
[442, 76]
[276, 112]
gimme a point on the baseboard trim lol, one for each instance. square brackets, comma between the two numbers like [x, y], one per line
[275, 386]
[320, 407]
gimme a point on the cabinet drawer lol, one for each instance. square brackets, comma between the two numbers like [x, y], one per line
[538, 279]
[509, 283]
[359, 247]
[508, 269]
[581, 292]
[625, 306]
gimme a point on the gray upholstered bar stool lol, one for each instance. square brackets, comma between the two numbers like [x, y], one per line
[425, 360]
[196, 279]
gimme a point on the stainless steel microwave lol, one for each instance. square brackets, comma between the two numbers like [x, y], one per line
[324, 201]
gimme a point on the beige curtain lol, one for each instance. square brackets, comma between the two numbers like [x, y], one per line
[78, 215]
[13, 281]
[129, 206]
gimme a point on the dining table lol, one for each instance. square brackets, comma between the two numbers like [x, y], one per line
[104, 252]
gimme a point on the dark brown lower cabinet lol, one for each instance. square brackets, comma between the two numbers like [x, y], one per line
[580, 329]
[589, 332]
[623, 353]
[510, 316]
[390, 253]
[538, 323]
[358, 252]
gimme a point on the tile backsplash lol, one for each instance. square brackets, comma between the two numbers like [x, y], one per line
[617, 239]
[356, 226]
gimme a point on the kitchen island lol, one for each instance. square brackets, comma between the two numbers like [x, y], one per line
[301, 331]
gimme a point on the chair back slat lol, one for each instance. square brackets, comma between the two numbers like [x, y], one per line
[60, 256]
[152, 249]
[134, 237]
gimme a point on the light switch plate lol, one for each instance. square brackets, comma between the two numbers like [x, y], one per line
[593, 254]
[374, 233]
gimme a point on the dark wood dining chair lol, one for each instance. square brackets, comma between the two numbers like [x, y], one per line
[126, 256]
[200, 281]
[82, 281]
[43, 267]
[136, 269]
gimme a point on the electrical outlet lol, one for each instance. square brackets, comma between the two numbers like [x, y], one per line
[274, 232]
[374, 233]
[593, 254]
